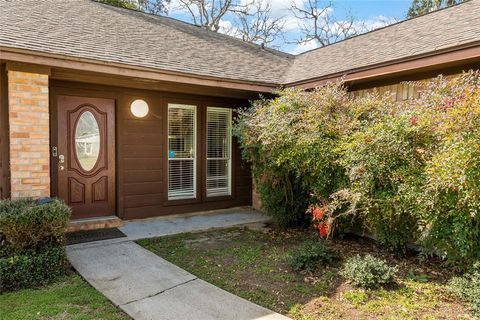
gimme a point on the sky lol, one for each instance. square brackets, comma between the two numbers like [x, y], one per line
[372, 13]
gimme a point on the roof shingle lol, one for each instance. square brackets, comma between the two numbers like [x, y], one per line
[91, 30]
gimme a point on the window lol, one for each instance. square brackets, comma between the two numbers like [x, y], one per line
[181, 151]
[219, 158]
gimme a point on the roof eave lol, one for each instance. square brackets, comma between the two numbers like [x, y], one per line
[459, 54]
[74, 63]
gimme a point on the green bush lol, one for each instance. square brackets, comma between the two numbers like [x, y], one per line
[32, 239]
[368, 272]
[467, 287]
[310, 254]
[32, 269]
[28, 227]
[406, 172]
[284, 198]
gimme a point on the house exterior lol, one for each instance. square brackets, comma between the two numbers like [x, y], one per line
[121, 113]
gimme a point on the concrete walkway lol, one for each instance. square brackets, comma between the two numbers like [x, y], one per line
[148, 287]
[200, 221]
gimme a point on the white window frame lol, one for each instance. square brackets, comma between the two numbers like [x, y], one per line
[229, 170]
[187, 107]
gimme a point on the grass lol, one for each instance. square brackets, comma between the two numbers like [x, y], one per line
[68, 298]
[253, 264]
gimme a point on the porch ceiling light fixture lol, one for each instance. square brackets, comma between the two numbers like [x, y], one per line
[139, 108]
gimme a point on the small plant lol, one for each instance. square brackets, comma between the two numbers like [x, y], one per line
[467, 287]
[356, 297]
[310, 254]
[368, 272]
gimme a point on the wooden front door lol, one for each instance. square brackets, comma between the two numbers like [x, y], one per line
[86, 155]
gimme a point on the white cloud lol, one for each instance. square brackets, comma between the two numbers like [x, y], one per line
[302, 47]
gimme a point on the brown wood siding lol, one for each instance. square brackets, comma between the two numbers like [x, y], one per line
[394, 84]
[4, 146]
[141, 151]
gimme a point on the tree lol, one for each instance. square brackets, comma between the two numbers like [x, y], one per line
[128, 4]
[250, 21]
[150, 6]
[257, 24]
[317, 23]
[421, 7]
[209, 13]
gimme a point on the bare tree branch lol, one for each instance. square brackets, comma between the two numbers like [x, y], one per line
[209, 13]
[317, 23]
[257, 24]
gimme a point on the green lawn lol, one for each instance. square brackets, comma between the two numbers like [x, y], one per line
[253, 265]
[68, 298]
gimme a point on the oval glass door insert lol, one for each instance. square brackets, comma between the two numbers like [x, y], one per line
[87, 141]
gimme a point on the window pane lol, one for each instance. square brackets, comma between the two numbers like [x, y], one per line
[219, 142]
[181, 151]
[181, 182]
[87, 141]
[181, 133]
[218, 134]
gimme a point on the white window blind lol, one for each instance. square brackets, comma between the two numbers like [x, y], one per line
[181, 151]
[219, 158]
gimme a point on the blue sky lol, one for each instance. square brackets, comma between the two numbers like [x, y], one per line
[372, 13]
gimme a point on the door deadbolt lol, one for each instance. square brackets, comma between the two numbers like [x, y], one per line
[61, 158]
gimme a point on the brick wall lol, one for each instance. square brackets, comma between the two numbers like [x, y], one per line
[29, 134]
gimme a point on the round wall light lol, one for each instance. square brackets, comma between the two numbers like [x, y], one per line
[139, 108]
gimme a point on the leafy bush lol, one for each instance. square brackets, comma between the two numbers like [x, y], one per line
[31, 269]
[406, 172]
[368, 272]
[290, 143]
[467, 287]
[310, 254]
[32, 239]
[28, 227]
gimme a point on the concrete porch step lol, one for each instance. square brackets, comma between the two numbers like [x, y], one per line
[94, 223]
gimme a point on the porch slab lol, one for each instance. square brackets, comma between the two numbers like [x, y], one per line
[199, 221]
[94, 223]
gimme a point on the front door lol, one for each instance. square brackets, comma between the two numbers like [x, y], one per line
[86, 155]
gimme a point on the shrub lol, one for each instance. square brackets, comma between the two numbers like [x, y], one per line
[408, 173]
[290, 142]
[310, 254]
[284, 198]
[467, 287]
[31, 269]
[368, 272]
[32, 242]
[28, 227]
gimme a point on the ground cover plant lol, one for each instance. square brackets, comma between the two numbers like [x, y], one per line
[404, 172]
[467, 287]
[68, 297]
[255, 264]
[368, 272]
[32, 237]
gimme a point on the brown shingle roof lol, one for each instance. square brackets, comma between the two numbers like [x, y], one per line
[87, 29]
[439, 30]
